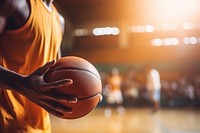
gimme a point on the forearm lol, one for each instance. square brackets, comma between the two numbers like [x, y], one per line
[10, 79]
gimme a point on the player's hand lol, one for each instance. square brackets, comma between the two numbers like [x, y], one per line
[39, 91]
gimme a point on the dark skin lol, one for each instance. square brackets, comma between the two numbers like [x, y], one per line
[13, 15]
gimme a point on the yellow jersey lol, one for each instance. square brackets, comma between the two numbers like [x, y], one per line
[115, 82]
[23, 51]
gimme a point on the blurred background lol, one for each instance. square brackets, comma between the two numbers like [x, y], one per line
[129, 35]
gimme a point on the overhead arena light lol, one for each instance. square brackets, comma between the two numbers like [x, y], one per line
[165, 41]
[190, 40]
[106, 31]
[81, 32]
[142, 28]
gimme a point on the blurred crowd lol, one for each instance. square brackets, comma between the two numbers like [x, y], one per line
[183, 92]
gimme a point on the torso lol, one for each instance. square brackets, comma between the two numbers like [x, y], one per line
[31, 41]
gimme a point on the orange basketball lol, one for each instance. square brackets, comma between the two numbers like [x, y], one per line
[86, 86]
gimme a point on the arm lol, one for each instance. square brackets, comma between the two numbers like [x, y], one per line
[32, 86]
[6, 75]
[36, 89]
[4, 14]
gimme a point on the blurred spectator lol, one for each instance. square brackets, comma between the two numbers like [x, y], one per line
[153, 85]
[190, 91]
[114, 94]
[130, 84]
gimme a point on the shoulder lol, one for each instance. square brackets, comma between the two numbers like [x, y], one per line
[9, 7]
[6, 10]
[14, 12]
[6, 7]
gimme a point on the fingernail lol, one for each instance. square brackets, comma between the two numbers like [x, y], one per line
[73, 100]
[69, 81]
[69, 112]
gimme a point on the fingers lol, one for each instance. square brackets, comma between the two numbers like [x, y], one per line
[73, 100]
[46, 67]
[60, 98]
[56, 105]
[69, 100]
[50, 110]
[56, 84]
[55, 108]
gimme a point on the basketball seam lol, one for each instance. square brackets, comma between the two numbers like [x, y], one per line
[84, 98]
[72, 68]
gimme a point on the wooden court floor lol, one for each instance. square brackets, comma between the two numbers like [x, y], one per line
[132, 121]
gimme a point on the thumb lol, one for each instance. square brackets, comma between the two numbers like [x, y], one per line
[46, 67]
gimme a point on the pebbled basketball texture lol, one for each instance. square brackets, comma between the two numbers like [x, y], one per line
[87, 85]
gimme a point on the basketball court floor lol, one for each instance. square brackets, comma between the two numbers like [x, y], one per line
[135, 120]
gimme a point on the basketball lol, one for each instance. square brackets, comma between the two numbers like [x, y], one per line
[86, 85]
